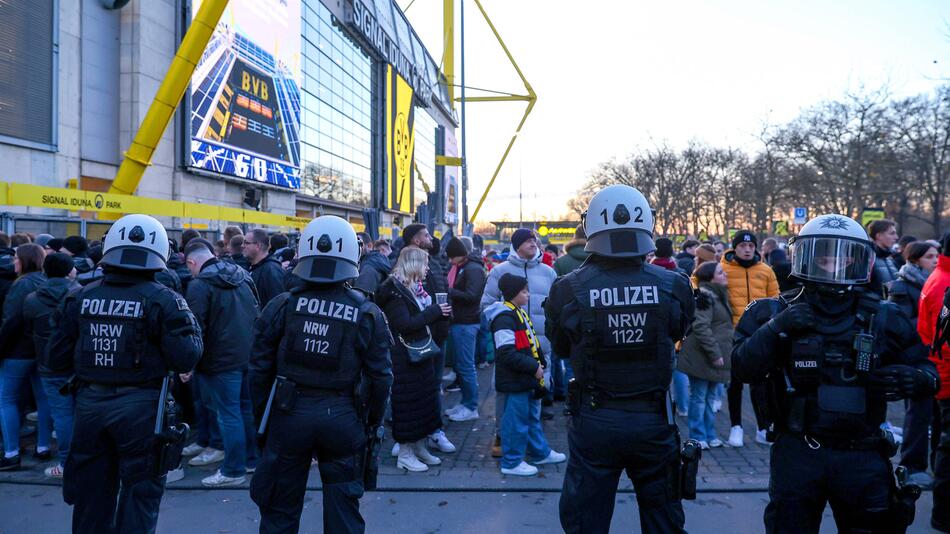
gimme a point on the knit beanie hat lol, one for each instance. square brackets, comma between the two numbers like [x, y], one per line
[744, 236]
[511, 284]
[75, 244]
[519, 237]
[57, 265]
[454, 248]
[410, 231]
[664, 248]
[42, 239]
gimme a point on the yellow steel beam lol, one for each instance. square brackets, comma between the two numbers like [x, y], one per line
[531, 98]
[139, 155]
[448, 53]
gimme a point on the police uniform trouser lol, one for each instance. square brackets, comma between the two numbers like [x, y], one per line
[106, 476]
[327, 428]
[803, 479]
[603, 443]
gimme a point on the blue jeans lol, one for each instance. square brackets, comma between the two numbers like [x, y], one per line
[702, 419]
[225, 392]
[63, 409]
[463, 340]
[206, 429]
[16, 374]
[521, 430]
[680, 390]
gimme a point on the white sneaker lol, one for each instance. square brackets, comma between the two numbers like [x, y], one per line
[438, 440]
[217, 480]
[395, 451]
[175, 475]
[209, 456]
[54, 471]
[682, 413]
[736, 439]
[449, 377]
[449, 411]
[715, 443]
[464, 414]
[554, 457]
[407, 460]
[703, 445]
[32, 417]
[423, 454]
[192, 450]
[716, 406]
[521, 470]
[760, 438]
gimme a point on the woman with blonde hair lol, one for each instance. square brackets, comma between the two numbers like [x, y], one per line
[415, 394]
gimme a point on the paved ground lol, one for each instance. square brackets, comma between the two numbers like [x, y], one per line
[473, 468]
[39, 509]
[465, 494]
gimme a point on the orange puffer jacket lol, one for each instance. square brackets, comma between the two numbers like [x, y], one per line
[747, 284]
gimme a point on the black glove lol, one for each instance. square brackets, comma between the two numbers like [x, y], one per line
[903, 381]
[796, 318]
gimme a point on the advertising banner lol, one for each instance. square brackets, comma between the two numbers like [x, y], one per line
[245, 94]
[400, 142]
[451, 189]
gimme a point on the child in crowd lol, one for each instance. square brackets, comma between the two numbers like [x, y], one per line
[519, 372]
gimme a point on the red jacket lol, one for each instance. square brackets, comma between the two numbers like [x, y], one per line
[931, 301]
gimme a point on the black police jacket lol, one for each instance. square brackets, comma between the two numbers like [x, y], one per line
[829, 403]
[224, 301]
[366, 354]
[124, 329]
[269, 278]
[15, 343]
[636, 313]
[37, 310]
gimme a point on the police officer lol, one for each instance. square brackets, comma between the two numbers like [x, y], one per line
[313, 345]
[832, 354]
[619, 317]
[121, 336]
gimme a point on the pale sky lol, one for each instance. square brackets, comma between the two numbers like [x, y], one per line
[612, 75]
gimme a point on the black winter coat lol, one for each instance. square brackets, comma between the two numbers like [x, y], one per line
[240, 260]
[466, 296]
[176, 263]
[515, 366]
[7, 272]
[905, 291]
[224, 301]
[268, 276]
[15, 343]
[37, 309]
[374, 268]
[884, 271]
[415, 393]
[436, 282]
[783, 270]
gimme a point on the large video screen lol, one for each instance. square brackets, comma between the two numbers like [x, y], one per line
[245, 94]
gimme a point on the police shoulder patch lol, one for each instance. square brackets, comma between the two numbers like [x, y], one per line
[182, 303]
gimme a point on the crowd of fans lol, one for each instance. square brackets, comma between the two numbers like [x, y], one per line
[473, 305]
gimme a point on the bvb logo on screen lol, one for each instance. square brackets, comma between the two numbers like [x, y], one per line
[401, 145]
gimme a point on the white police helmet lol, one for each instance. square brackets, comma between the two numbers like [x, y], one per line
[832, 249]
[328, 250]
[136, 242]
[619, 223]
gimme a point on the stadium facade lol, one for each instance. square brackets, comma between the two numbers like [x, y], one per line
[296, 108]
